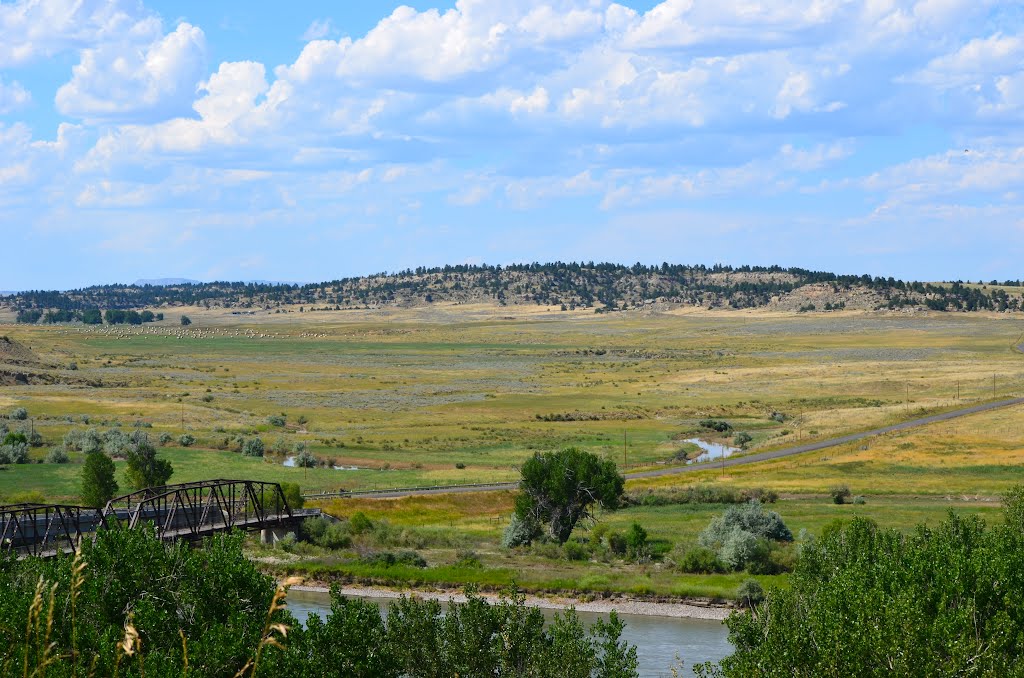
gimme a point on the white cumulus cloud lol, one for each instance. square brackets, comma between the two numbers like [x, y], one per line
[153, 78]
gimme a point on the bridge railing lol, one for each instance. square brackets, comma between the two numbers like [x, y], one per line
[47, 529]
[194, 510]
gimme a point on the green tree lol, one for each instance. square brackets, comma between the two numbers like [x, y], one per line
[144, 468]
[98, 483]
[558, 489]
[865, 601]
[185, 321]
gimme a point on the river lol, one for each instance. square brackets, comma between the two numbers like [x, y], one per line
[658, 639]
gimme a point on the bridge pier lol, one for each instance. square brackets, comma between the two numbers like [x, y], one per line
[272, 535]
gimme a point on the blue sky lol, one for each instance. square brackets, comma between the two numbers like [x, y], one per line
[314, 140]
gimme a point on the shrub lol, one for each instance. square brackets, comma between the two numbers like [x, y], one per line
[14, 453]
[83, 441]
[575, 550]
[741, 439]
[336, 537]
[617, 543]
[165, 438]
[19, 414]
[716, 425]
[520, 532]
[750, 517]
[860, 500]
[459, 465]
[57, 455]
[305, 459]
[276, 420]
[313, 529]
[636, 541]
[467, 559]
[360, 523]
[751, 592]
[759, 494]
[387, 559]
[700, 560]
[326, 533]
[116, 443]
[740, 536]
[737, 548]
[15, 438]
[253, 447]
[186, 440]
[840, 494]
[702, 493]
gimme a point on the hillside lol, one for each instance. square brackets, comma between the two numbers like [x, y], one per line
[603, 287]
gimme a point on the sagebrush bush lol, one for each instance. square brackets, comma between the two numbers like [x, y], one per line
[57, 455]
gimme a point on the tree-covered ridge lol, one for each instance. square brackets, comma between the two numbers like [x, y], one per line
[601, 286]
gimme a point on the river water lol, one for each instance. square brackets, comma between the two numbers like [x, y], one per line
[658, 640]
[711, 451]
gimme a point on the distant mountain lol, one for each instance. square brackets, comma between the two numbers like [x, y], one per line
[603, 287]
[163, 282]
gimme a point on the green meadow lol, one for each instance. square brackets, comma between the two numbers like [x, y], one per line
[453, 394]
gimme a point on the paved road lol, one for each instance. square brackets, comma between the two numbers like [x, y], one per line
[734, 461]
[832, 442]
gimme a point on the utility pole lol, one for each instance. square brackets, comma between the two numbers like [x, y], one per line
[182, 417]
[908, 397]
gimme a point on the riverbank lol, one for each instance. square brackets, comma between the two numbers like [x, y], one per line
[621, 605]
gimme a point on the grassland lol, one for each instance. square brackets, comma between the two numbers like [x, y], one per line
[464, 394]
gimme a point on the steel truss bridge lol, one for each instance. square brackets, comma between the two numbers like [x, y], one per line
[188, 511]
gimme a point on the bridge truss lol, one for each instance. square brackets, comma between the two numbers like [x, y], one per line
[188, 511]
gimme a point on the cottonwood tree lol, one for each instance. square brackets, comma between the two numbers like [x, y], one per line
[144, 469]
[558, 489]
[98, 483]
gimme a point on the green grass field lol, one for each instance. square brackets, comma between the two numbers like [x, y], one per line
[451, 395]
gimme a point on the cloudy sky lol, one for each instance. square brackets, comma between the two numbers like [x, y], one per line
[312, 140]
